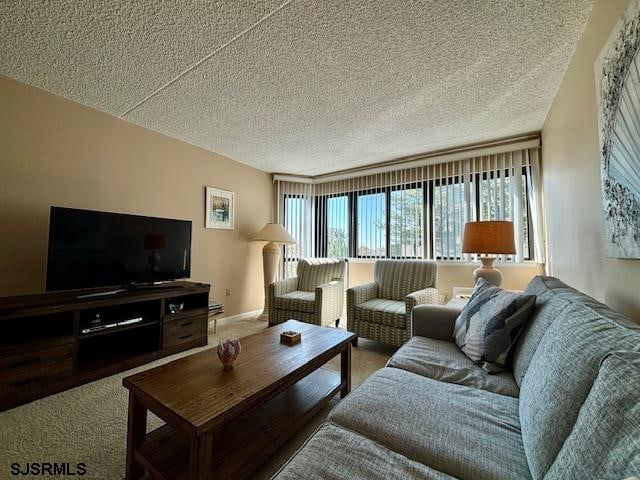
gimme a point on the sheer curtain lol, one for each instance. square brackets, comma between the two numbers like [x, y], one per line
[416, 212]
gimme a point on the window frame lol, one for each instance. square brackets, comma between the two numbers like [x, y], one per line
[428, 217]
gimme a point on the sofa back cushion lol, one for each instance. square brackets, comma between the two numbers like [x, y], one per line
[398, 278]
[318, 271]
[549, 305]
[562, 371]
[603, 442]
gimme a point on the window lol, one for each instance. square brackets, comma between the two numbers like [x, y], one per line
[371, 218]
[496, 199]
[337, 226]
[406, 215]
[295, 220]
[412, 214]
[447, 212]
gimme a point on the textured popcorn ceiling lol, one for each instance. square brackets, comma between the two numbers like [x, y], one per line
[302, 86]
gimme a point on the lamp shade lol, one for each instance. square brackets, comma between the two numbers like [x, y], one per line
[488, 237]
[273, 232]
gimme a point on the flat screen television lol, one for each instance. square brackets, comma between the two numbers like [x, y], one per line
[89, 249]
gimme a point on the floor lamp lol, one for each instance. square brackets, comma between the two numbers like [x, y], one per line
[276, 236]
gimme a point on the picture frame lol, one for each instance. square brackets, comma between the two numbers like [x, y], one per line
[617, 96]
[219, 208]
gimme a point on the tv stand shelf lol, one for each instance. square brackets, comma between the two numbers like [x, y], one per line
[43, 349]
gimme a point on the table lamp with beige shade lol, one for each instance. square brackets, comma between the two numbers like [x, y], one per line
[488, 238]
[276, 235]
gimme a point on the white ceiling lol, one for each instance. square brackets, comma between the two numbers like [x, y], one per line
[302, 86]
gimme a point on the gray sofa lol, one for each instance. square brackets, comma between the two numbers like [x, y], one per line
[568, 410]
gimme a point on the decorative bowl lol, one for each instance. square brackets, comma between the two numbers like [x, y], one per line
[176, 307]
[228, 351]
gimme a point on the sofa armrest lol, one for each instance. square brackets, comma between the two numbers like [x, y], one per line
[434, 321]
[283, 286]
[422, 297]
[362, 293]
[329, 301]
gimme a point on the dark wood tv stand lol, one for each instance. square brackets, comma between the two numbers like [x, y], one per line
[51, 342]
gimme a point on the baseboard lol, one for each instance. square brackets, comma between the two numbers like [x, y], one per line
[242, 316]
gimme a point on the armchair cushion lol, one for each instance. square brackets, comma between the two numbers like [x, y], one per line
[382, 311]
[297, 300]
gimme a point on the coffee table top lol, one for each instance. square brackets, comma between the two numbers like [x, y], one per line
[194, 394]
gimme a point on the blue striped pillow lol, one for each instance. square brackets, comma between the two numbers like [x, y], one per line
[488, 326]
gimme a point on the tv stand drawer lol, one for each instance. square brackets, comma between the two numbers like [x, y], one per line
[184, 330]
[54, 360]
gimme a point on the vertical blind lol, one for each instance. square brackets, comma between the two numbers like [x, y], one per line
[417, 212]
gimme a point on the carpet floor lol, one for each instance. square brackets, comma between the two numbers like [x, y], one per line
[88, 424]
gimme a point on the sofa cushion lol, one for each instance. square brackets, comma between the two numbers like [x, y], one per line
[384, 312]
[562, 371]
[489, 324]
[297, 301]
[464, 432]
[333, 453]
[546, 310]
[318, 271]
[609, 418]
[398, 278]
[442, 360]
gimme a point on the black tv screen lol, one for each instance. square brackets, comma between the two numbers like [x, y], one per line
[90, 249]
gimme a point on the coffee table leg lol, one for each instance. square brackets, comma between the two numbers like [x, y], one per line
[201, 457]
[136, 431]
[345, 370]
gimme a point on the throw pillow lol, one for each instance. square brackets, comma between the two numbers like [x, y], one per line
[488, 326]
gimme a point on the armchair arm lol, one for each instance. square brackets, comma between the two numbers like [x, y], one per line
[329, 302]
[434, 321]
[356, 296]
[362, 293]
[421, 297]
[283, 286]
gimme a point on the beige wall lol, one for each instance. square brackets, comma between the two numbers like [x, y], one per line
[515, 277]
[57, 152]
[571, 177]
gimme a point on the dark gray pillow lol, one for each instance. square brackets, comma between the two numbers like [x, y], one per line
[488, 326]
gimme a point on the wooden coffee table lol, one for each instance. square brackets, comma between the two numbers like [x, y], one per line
[223, 424]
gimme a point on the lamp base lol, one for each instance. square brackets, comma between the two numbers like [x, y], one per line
[488, 272]
[270, 260]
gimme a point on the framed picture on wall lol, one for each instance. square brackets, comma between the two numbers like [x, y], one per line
[219, 208]
[618, 97]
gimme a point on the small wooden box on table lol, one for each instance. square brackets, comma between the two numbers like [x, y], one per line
[222, 424]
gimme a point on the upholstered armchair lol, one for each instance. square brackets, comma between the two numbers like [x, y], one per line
[381, 310]
[315, 295]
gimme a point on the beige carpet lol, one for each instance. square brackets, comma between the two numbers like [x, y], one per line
[88, 424]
